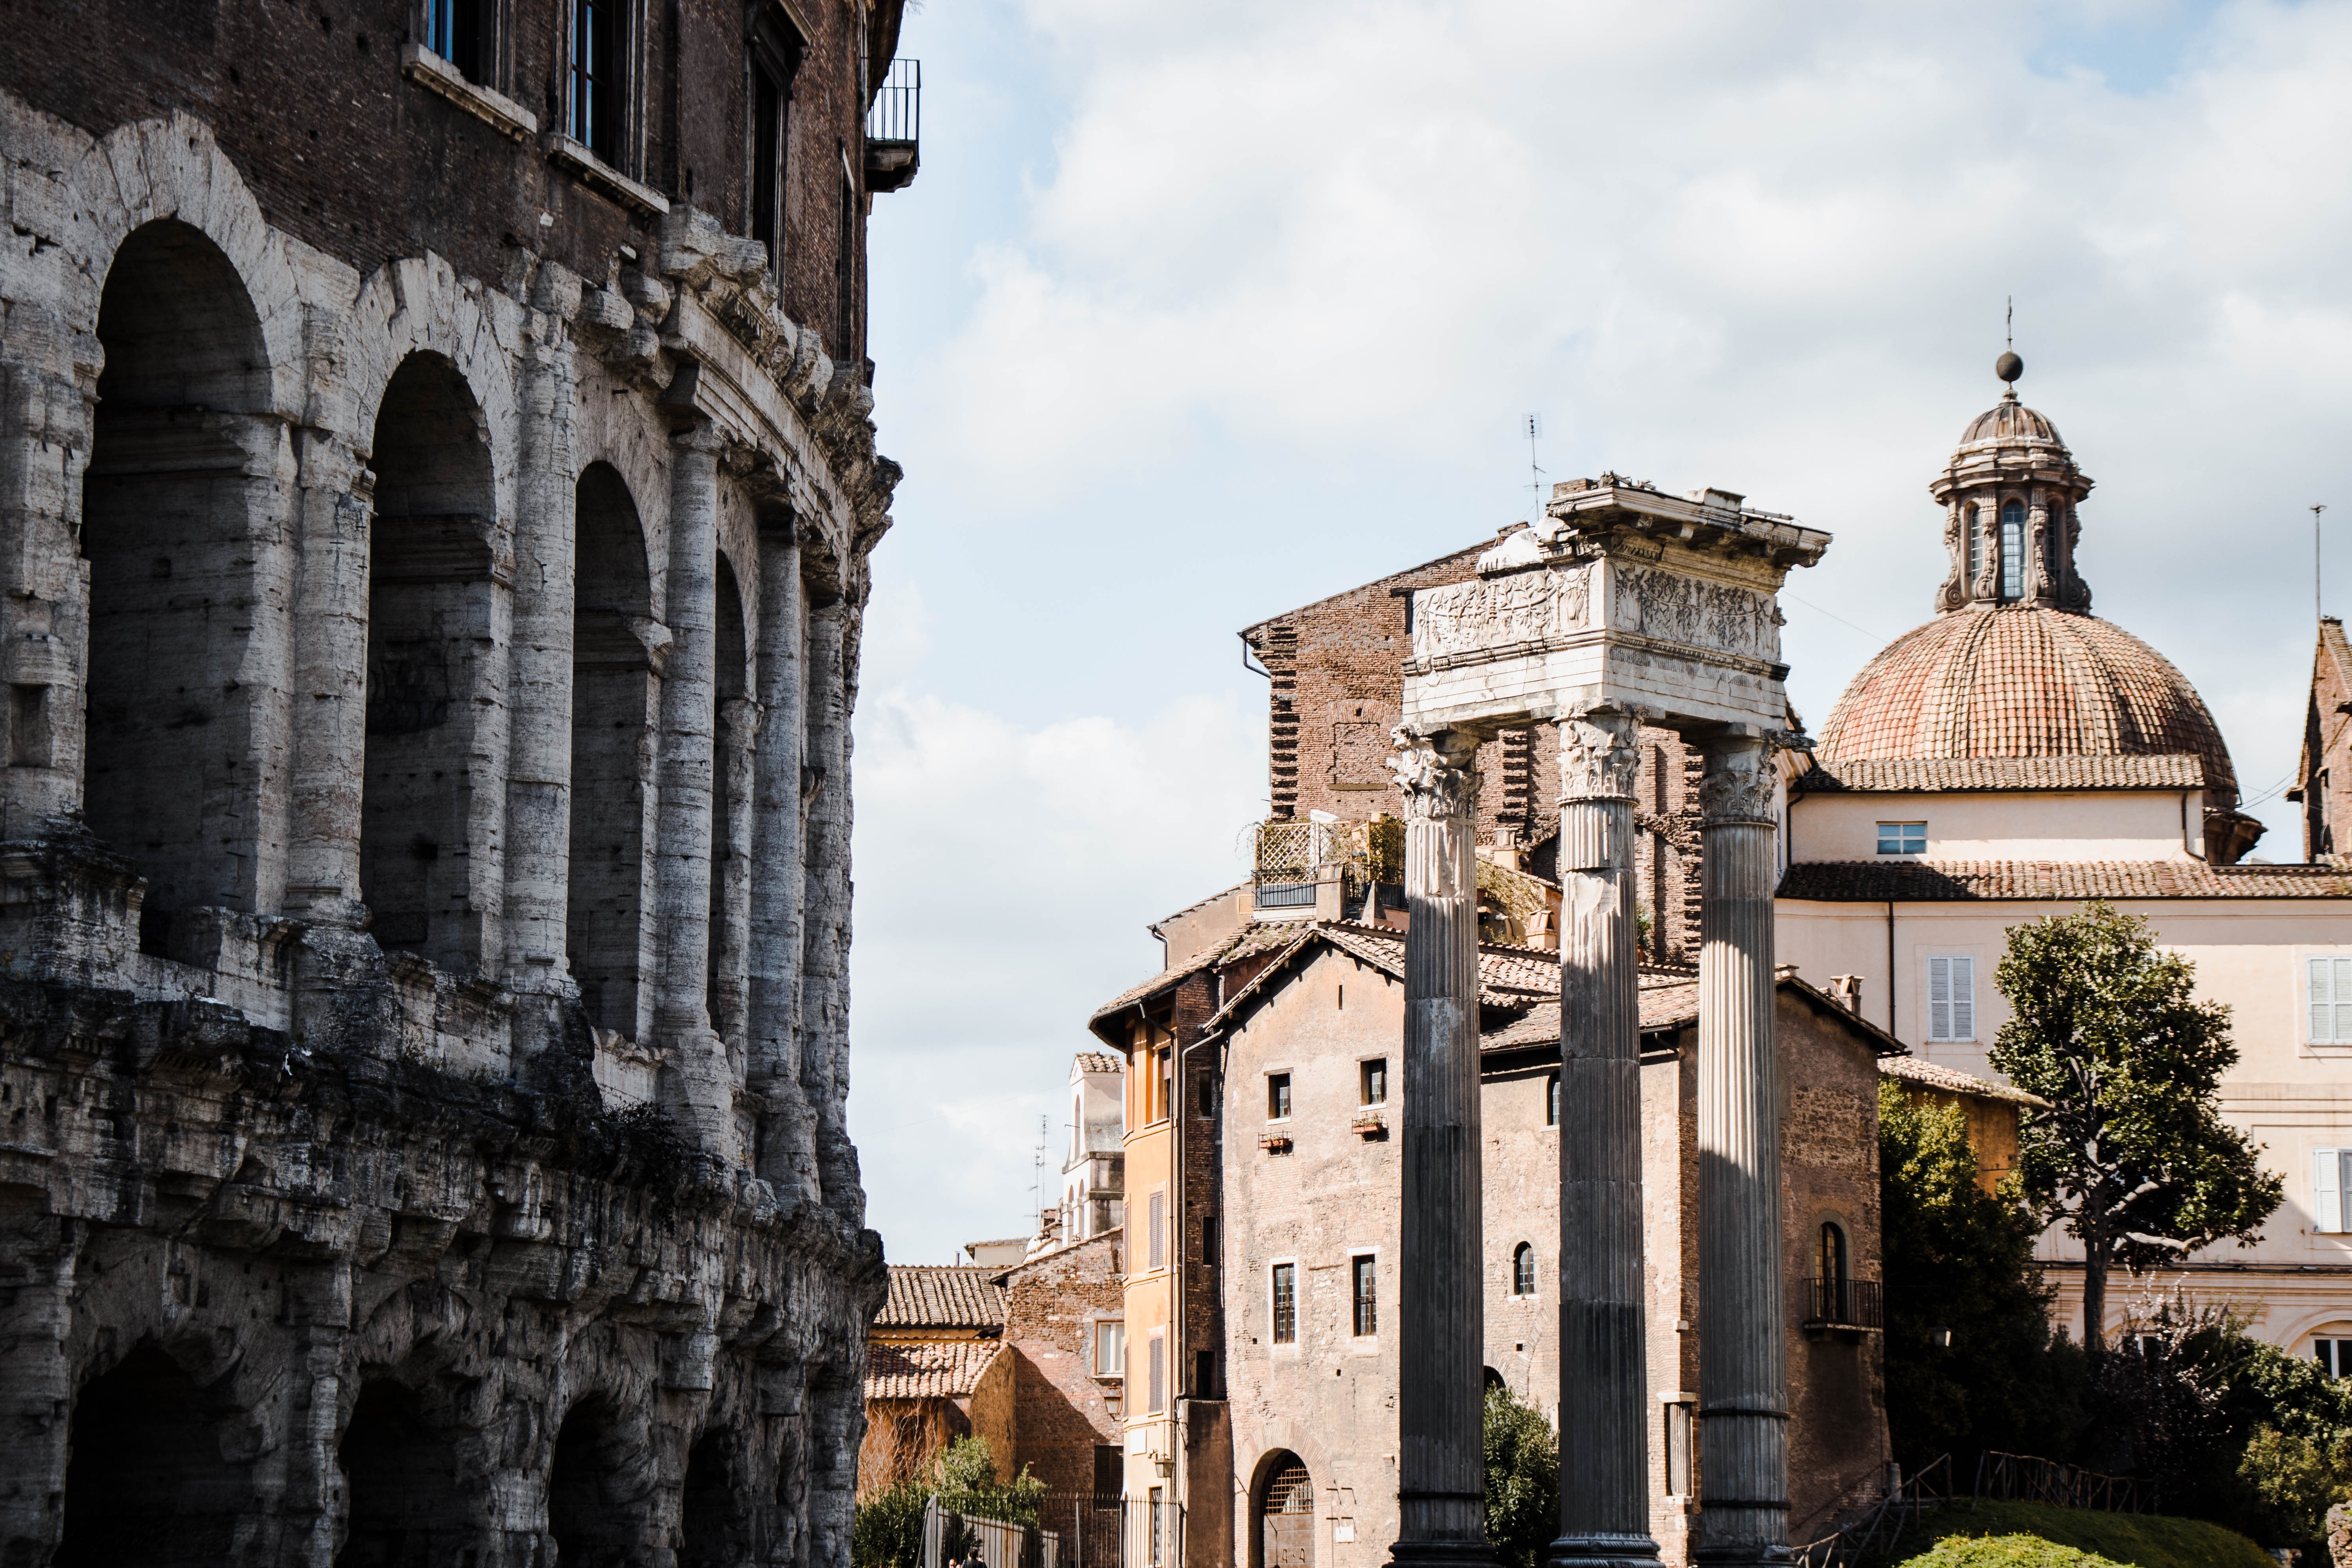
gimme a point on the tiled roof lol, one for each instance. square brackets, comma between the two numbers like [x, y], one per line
[932, 1369]
[940, 1296]
[1241, 945]
[1851, 881]
[1668, 1001]
[1951, 1081]
[1097, 1061]
[1201, 904]
[1925, 774]
[2022, 683]
[1505, 973]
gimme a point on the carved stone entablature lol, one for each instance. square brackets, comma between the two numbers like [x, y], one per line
[1624, 598]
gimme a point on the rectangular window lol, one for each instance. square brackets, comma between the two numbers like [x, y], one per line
[1205, 1375]
[1110, 1348]
[1363, 1272]
[1375, 1084]
[1952, 997]
[1678, 1450]
[1285, 1303]
[2329, 981]
[1278, 1096]
[1109, 1470]
[1209, 1240]
[1159, 1231]
[1158, 1373]
[1551, 1100]
[1208, 1095]
[596, 77]
[1902, 839]
[1154, 1497]
[2331, 1177]
[767, 102]
[454, 30]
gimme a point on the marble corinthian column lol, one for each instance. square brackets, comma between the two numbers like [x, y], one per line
[1440, 1271]
[1743, 1372]
[1604, 1512]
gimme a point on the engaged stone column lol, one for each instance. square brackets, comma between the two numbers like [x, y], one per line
[786, 1153]
[1743, 1377]
[1605, 1516]
[1441, 1270]
[697, 1087]
[334, 499]
[823, 1034]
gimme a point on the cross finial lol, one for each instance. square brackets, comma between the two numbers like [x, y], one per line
[2008, 324]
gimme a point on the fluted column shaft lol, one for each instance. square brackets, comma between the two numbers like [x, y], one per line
[1743, 1374]
[786, 1155]
[697, 1086]
[1604, 1513]
[1441, 1268]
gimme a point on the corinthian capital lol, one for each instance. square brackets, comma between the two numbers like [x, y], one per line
[1738, 785]
[1597, 757]
[1436, 774]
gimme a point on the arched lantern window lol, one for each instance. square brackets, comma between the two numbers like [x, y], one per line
[2013, 550]
[1972, 547]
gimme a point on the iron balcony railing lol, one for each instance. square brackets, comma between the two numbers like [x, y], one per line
[1289, 857]
[894, 127]
[1834, 1303]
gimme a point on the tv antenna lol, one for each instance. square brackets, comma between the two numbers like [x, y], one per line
[1037, 1164]
[1535, 472]
[2316, 611]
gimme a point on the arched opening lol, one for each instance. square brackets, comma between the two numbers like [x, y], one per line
[430, 656]
[1493, 1380]
[1829, 1273]
[726, 984]
[405, 1507]
[1522, 1269]
[179, 521]
[1285, 1515]
[146, 1480]
[714, 1525]
[2013, 550]
[590, 1512]
[615, 697]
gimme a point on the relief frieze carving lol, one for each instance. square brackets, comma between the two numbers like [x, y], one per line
[1678, 609]
[1483, 614]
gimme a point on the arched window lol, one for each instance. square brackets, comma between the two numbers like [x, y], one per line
[1523, 1270]
[2013, 550]
[615, 704]
[1972, 548]
[1831, 1281]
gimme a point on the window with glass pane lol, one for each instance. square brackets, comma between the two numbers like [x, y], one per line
[2331, 1000]
[1285, 1303]
[1551, 1100]
[1159, 1231]
[1902, 839]
[1368, 1310]
[453, 30]
[2331, 1178]
[2013, 550]
[596, 77]
[1375, 1083]
[1972, 533]
[1110, 1348]
[1522, 1269]
[2333, 1356]
[1278, 1096]
[1952, 997]
[1159, 1373]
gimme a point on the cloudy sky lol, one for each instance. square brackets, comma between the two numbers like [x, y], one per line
[1199, 311]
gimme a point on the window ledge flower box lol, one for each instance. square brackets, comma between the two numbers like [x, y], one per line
[1274, 1142]
[1369, 1124]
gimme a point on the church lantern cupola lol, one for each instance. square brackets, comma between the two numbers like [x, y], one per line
[2010, 497]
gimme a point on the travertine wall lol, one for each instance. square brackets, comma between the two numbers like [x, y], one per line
[423, 688]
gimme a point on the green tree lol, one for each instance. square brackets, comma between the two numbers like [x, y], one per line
[1956, 1257]
[886, 1530]
[1522, 1455]
[2132, 1156]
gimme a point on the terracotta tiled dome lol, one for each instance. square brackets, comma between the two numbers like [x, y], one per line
[2024, 682]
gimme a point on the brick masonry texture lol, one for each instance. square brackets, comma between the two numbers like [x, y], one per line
[432, 593]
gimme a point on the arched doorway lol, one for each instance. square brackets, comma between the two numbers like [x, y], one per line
[714, 1523]
[1285, 1514]
[616, 699]
[594, 1500]
[179, 519]
[405, 1507]
[726, 989]
[429, 641]
[146, 1481]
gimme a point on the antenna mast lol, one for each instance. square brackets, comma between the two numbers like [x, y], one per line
[1037, 1164]
[2317, 610]
[1535, 473]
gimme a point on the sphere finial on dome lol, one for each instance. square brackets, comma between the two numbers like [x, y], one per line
[2008, 367]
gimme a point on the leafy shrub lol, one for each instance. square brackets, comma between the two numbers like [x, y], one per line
[2008, 1551]
[887, 1532]
[1522, 1462]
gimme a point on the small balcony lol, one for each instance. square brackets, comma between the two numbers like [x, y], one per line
[1324, 870]
[894, 128]
[1849, 1308]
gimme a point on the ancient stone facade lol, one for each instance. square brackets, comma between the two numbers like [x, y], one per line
[435, 517]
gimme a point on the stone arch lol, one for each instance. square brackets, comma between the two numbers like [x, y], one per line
[714, 1516]
[431, 798]
[151, 1479]
[726, 989]
[599, 1480]
[615, 707]
[184, 745]
[404, 1506]
[1281, 1512]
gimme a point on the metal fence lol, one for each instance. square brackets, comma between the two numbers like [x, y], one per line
[896, 114]
[1103, 1530]
[949, 1536]
[1871, 1538]
[2024, 1477]
[1835, 1303]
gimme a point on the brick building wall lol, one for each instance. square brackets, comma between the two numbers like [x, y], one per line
[2324, 783]
[1060, 1411]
